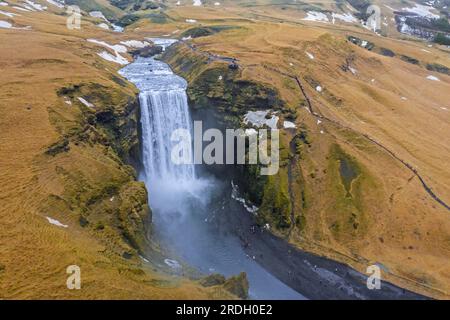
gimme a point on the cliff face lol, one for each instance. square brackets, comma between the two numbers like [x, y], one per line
[331, 195]
[220, 97]
[116, 201]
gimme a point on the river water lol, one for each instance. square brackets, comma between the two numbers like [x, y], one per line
[182, 200]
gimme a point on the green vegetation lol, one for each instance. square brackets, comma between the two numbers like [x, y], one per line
[205, 31]
[443, 39]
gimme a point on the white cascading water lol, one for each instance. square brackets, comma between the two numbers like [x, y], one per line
[164, 109]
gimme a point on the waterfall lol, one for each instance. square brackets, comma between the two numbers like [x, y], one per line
[164, 109]
[183, 204]
[163, 112]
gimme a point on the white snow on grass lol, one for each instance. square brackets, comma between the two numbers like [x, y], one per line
[116, 28]
[289, 125]
[98, 14]
[309, 55]
[433, 78]
[319, 121]
[316, 16]
[259, 119]
[423, 11]
[352, 70]
[85, 102]
[117, 58]
[8, 14]
[191, 21]
[21, 9]
[346, 17]
[56, 3]
[164, 43]
[118, 48]
[174, 264]
[36, 6]
[103, 26]
[3, 4]
[5, 24]
[217, 3]
[319, 89]
[56, 222]
[135, 43]
[197, 3]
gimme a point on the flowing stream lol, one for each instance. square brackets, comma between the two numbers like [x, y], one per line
[182, 201]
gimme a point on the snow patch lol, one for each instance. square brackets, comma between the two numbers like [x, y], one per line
[309, 55]
[197, 3]
[36, 6]
[7, 25]
[433, 78]
[8, 14]
[85, 102]
[21, 9]
[3, 4]
[258, 119]
[56, 222]
[289, 125]
[56, 3]
[103, 26]
[319, 89]
[174, 264]
[346, 17]
[316, 16]
[135, 43]
[118, 48]
[117, 58]
[423, 11]
[191, 21]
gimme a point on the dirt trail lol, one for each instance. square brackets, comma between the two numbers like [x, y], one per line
[320, 116]
[427, 188]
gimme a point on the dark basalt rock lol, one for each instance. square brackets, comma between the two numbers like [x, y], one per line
[147, 51]
[409, 59]
[58, 147]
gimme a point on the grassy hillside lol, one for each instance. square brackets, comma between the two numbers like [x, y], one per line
[342, 190]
